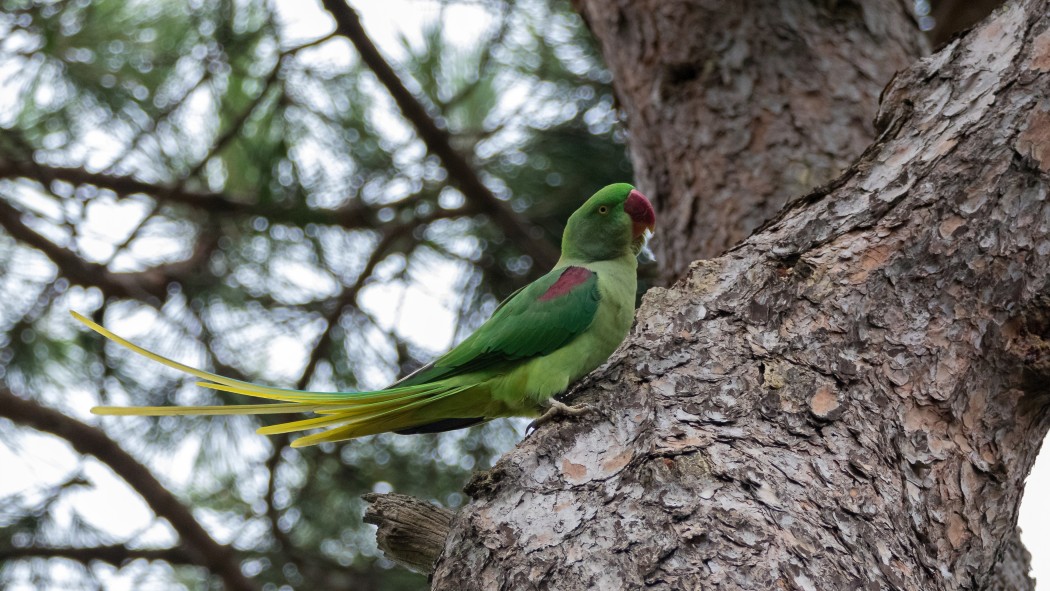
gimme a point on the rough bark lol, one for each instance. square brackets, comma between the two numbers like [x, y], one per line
[735, 107]
[851, 398]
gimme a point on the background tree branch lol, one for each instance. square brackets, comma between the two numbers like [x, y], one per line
[195, 541]
[437, 140]
[145, 286]
[115, 554]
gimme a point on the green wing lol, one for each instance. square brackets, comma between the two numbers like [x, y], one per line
[534, 321]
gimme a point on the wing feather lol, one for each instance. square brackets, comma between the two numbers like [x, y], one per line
[530, 323]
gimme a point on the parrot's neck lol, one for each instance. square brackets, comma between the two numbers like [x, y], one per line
[626, 260]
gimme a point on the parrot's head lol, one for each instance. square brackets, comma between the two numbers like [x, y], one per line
[616, 220]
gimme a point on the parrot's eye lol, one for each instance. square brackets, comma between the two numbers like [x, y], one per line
[603, 210]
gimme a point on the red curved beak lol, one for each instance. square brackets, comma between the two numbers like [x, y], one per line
[641, 212]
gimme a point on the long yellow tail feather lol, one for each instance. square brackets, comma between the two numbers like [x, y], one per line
[229, 409]
[356, 415]
[247, 387]
[353, 398]
[351, 414]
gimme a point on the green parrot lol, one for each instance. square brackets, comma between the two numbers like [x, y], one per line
[542, 338]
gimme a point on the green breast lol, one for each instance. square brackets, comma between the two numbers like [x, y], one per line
[523, 389]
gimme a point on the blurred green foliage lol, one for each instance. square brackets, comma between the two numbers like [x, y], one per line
[313, 222]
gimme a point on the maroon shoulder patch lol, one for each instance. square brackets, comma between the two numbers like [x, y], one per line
[570, 278]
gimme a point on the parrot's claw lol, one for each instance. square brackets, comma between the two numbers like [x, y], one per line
[557, 409]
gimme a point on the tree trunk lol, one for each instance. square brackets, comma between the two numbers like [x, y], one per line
[851, 398]
[735, 107]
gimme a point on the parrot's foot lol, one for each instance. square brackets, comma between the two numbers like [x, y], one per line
[557, 409]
